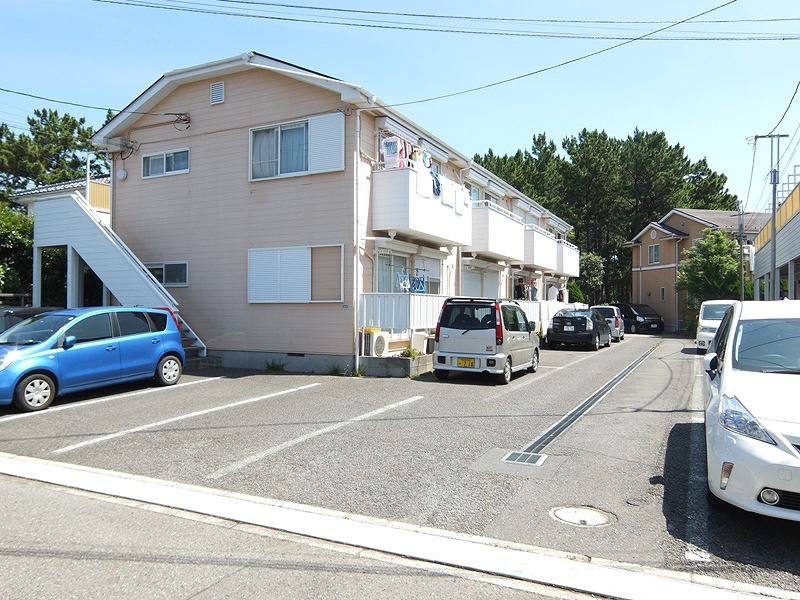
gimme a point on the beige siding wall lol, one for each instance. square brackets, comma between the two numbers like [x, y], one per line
[212, 215]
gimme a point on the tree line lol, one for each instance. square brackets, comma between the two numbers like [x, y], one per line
[609, 190]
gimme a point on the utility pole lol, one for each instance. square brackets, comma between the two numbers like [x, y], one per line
[774, 274]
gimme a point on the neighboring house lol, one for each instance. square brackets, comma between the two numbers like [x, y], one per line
[786, 252]
[292, 218]
[656, 255]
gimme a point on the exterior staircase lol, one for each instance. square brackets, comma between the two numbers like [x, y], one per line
[68, 220]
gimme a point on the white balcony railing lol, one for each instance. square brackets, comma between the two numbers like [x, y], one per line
[397, 313]
[496, 232]
[405, 201]
[568, 259]
[541, 248]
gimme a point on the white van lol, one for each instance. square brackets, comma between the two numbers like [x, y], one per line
[484, 335]
[711, 313]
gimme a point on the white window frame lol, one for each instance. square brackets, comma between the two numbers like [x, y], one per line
[324, 150]
[283, 275]
[154, 267]
[164, 155]
[653, 254]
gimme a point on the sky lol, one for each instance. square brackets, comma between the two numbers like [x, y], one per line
[503, 71]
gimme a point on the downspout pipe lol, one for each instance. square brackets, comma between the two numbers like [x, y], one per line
[357, 253]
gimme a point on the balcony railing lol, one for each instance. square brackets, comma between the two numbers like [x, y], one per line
[496, 232]
[405, 200]
[541, 248]
[568, 259]
[397, 313]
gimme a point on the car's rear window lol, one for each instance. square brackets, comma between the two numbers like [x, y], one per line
[159, 320]
[606, 311]
[469, 316]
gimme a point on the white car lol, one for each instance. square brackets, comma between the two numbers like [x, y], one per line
[711, 313]
[613, 317]
[752, 417]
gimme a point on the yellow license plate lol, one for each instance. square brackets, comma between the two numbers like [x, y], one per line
[465, 362]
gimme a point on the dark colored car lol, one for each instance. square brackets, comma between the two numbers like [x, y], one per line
[640, 318]
[579, 326]
[14, 314]
[76, 349]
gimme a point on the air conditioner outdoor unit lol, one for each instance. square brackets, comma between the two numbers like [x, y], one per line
[376, 343]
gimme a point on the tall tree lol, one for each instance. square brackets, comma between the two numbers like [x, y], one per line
[54, 150]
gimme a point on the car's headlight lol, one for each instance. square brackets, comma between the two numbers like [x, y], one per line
[640, 319]
[7, 359]
[734, 417]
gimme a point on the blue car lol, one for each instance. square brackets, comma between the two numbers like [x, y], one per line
[76, 349]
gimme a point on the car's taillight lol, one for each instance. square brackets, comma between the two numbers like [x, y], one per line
[616, 322]
[498, 326]
[439, 324]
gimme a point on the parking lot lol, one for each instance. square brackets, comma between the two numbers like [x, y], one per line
[622, 481]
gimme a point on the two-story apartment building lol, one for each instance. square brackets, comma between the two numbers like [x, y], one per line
[657, 254]
[284, 213]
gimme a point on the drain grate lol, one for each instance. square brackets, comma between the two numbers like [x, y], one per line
[525, 458]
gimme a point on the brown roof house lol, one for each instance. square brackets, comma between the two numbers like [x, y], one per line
[657, 254]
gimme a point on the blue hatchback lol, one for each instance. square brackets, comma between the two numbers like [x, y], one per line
[80, 348]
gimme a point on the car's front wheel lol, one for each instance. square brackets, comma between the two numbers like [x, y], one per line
[505, 377]
[169, 370]
[34, 392]
[633, 328]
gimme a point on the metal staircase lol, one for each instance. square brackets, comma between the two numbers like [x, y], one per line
[70, 220]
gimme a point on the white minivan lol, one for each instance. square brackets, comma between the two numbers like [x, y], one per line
[484, 335]
[711, 313]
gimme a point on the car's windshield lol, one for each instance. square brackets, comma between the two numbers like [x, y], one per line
[34, 330]
[643, 309]
[767, 345]
[713, 312]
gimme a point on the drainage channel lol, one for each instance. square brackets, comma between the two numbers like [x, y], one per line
[532, 453]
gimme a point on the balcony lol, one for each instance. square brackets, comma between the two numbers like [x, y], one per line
[541, 249]
[568, 259]
[403, 200]
[496, 233]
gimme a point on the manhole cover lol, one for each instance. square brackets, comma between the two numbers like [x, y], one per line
[582, 516]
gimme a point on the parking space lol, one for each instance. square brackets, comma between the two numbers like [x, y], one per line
[417, 451]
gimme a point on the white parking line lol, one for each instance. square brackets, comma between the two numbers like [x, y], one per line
[199, 413]
[82, 404]
[288, 444]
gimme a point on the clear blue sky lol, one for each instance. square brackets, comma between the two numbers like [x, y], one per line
[709, 94]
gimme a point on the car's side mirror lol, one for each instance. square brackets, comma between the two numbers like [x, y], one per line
[711, 364]
[69, 342]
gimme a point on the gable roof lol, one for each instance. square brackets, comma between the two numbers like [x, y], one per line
[73, 185]
[727, 220]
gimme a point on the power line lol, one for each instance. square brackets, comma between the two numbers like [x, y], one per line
[566, 62]
[787, 109]
[197, 8]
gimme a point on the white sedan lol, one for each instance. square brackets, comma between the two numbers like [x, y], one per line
[752, 414]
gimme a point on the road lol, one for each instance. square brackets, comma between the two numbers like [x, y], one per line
[619, 485]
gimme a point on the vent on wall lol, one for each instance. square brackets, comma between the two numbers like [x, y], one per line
[218, 92]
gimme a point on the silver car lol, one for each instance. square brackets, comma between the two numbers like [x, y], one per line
[613, 317]
[484, 335]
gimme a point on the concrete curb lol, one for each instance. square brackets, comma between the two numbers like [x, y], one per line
[572, 572]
